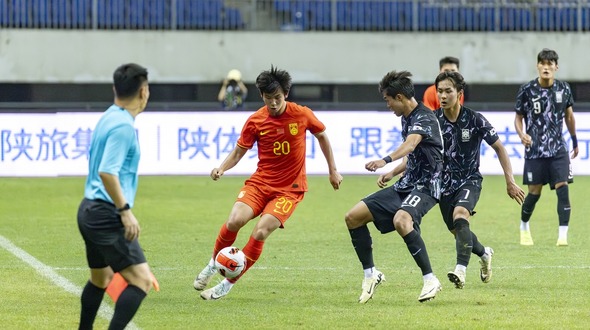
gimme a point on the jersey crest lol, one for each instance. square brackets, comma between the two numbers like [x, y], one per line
[293, 128]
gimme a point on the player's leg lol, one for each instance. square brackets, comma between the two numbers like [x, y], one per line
[278, 210]
[253, 249]
[249, 204]
[535, 176]
[407, 221]
[381, 205]
[561, 175]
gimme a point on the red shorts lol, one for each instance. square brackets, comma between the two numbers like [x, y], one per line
[267, 200]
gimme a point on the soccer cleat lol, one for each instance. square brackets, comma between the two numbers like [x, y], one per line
[204, 277]
[485, 272]
[457, 277]
[369, 286]
[217, 292]
[526, 238]
[561, 242]
[430, 289]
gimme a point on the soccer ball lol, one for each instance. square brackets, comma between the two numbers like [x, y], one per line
[230, 262]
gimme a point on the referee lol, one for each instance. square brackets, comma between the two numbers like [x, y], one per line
[105, 218]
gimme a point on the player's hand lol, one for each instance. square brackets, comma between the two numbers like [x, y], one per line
[216, 173]
[526, 140]
[335, 180]
[131, 225]
[375, 165]
[575, 152]
[383, 179]
[515, 192]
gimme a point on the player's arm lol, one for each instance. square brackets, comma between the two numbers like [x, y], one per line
[513, 190]
[335, 177]
[384, 178]
[403, 150]
[570, 123]
[519, 126]
[229, 162]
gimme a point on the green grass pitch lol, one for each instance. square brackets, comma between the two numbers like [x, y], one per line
[308, 276]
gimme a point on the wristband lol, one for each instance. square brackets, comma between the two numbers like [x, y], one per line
[387, 159]
[574, 141]
[124, 208]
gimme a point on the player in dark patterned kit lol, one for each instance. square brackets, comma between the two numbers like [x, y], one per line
[543, 104]
[463, 131]
[401, 207]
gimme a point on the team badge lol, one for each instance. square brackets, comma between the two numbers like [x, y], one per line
[465, 136]
[559, 96]
[293, 129]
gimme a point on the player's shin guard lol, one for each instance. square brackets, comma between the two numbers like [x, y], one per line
[224, 239]
[563, 205]
[252, 250]
[363, 245]
[463, 241]
[478, 248]
[418, 251]
[528, 206]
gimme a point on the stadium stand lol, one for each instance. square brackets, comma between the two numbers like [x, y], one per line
[302, 15]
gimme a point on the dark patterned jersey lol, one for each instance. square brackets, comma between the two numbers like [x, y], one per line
[543, 110]
[462, 142]
[424, 164]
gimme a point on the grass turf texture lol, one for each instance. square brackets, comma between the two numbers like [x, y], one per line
[308, 275]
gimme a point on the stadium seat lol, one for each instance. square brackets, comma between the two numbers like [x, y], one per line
[515, 19]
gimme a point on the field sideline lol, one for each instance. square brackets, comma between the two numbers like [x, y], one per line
[308, 276]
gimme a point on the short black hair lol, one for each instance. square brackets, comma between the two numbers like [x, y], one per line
[455, 77]
[448, 60]
[128, 79]
[394, 83]
[269, 81]
[547, 55]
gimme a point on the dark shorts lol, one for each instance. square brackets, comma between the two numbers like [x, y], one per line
[384, 203]
[548, 170]
[104, 236]
[466, 196]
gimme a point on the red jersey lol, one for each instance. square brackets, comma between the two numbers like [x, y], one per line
[281, 145]
[430, 98]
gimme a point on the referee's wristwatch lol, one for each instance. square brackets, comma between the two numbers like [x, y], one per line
[124, 208]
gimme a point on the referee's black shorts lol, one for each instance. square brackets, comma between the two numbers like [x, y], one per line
[104, 236]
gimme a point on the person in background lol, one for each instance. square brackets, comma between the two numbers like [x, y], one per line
[543, 103]
[430, 98]
[233, 92]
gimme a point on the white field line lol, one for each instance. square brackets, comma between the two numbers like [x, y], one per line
[105, 310]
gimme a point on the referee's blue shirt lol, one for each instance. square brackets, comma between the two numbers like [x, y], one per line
[115, 150]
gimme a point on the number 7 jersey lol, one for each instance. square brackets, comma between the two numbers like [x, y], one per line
[281, 145]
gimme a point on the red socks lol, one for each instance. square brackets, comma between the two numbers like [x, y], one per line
[224, 239]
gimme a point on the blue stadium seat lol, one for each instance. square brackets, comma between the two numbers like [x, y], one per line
[429, 19]
[516, 19]
[199, 14]
[232, 19]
